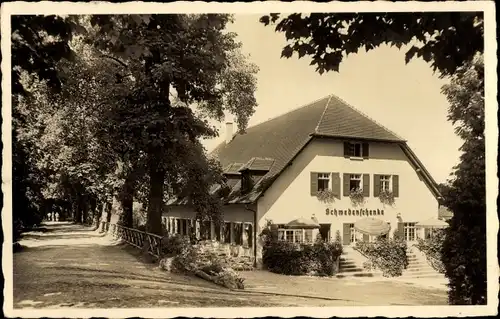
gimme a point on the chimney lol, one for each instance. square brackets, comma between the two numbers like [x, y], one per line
[229, 132]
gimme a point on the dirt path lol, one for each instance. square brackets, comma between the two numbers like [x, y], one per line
[73, 266]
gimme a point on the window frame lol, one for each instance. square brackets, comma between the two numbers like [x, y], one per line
[385, 179]
[410, 228]
[355, 177]
[352, 233]
[324, 177]
[352, 149]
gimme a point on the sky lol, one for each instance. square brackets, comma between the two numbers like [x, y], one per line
[405, 98]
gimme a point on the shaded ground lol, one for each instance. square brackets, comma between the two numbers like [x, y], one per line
[70, 265]
[366, 290]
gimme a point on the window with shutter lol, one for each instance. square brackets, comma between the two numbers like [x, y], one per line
[336, 185]
[323, 181]
[366, 185]
[314, 184]
[395, 185]
[355, 149]
[376, 185]
[366, 150]
[346, 234]
[346, 183]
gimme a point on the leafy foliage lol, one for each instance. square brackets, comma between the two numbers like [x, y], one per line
[464, 248]
[121, 109]
[388, 255]
[386, 197]
[432, 247]
[447, 40]
[357, 197]
[283, 257]
[326, 196]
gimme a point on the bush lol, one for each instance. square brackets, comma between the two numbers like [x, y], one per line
[388, 255]
[288, 258]
[175, 244]
[432, 247]
[201, 261]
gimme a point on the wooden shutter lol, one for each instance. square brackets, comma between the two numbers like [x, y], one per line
[366, 150]
[366, 185]
[314, 184]
[336, 185]
[346, 234]
[347, 181]
[366, 237]
[376, 185]
[395, 185]
[346, 149]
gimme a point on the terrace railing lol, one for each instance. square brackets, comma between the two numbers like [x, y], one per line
[136, 238]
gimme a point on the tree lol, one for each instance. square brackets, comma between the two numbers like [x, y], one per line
[464, 249]
[452, 42]
[447, 40]
[187, 56]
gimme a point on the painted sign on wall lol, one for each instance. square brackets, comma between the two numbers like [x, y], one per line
[354, 212]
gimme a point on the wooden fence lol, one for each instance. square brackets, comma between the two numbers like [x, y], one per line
[135, 237]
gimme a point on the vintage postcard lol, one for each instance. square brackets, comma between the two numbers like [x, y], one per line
[238, 160]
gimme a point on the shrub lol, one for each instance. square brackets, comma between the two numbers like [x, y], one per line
[175, 244]
[288, 258]
[388, 255]
[432, 247]
[201, 261]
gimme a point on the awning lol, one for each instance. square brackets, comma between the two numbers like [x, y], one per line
[372, 226]
[432, 223]
[302, 223]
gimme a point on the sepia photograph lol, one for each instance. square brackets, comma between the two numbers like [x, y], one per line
[251, 159]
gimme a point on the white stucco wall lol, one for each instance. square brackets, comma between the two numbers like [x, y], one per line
[231, 213]
[289, 196]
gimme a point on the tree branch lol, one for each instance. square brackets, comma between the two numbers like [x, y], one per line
[115, 59]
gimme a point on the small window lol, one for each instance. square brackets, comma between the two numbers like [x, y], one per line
[355, 182]
[385, 182]
[323, 181]
[355, 149]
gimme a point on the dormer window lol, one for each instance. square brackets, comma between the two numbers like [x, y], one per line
[246, 182]
[356, 149]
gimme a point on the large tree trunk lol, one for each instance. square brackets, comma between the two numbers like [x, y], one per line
[126, 199]
[155, 207]
[109, 209]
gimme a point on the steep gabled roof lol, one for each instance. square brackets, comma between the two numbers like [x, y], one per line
[275, 143]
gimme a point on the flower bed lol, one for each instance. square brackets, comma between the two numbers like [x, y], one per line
[388, 255]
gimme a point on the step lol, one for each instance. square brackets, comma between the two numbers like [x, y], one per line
[355, 274]
[421, 273]
[436, 276]
[349, 266]
[351, 270]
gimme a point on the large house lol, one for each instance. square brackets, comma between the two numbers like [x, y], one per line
[276, 170]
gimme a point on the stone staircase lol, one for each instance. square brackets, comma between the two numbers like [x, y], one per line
[351, 265]
[418, 267]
